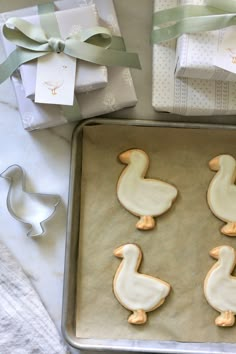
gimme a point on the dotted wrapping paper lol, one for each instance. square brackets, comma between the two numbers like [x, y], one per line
[185, 96]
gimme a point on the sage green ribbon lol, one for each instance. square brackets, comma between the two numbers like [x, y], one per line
[95, 45]
[216, 14]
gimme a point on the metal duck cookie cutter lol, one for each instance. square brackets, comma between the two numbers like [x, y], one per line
[31, 209]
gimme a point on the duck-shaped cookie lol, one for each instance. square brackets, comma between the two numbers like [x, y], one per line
[143, 197]
[221, 195]
[137, 292]
[29, 208]
[220, 285]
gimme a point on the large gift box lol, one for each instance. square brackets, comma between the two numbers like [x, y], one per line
[195, 54]
[186, 96]
[118, 93]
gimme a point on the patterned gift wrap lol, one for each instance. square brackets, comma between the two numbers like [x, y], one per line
[118, 93]
[195, 54]
[196, 97]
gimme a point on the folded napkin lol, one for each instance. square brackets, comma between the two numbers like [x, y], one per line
[25, 326]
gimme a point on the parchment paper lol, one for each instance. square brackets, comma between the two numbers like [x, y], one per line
[175, 251]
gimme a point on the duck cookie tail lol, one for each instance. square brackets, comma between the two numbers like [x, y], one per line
[138, 317]
[229, 229]
[145, 223]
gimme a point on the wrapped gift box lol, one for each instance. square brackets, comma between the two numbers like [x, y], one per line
[186, 96]
[195, 54]
[89, 76]
[118, 93]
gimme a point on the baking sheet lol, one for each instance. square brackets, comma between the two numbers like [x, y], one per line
[176, 251]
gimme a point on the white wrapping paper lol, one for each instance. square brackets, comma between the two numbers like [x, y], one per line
[118, 93]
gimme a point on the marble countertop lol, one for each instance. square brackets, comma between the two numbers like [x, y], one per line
[45, 156]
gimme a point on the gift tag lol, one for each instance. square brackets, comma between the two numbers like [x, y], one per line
[55, 79]
[226, 54]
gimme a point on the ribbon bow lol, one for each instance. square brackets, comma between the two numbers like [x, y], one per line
[216, 14]
[95, 45]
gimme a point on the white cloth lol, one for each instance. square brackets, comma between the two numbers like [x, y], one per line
[25, 326]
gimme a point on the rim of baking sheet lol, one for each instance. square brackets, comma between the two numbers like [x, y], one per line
[72, 249]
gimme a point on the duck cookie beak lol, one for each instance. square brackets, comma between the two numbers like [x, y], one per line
[214, 164]
[118, 252]
[125, 156]
[215, 252]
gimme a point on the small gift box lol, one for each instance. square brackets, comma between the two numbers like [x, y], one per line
[195, 56]
[196, 53]
[117, 94]
[89, 76]
[186, 96]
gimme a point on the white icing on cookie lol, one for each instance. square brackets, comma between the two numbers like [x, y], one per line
[222, 190]
[135, 291]
[142, 196]
[220, 285]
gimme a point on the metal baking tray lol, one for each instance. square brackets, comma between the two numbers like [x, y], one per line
[72, 256]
